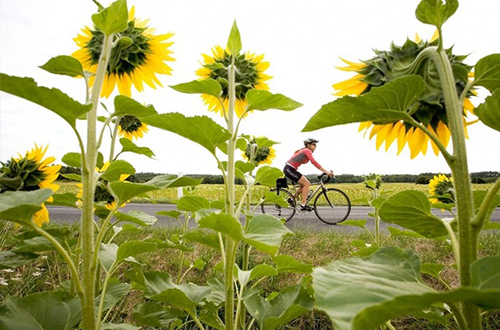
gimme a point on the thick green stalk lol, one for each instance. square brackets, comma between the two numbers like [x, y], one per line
[87, 229]
[230, 198]
[461, 180]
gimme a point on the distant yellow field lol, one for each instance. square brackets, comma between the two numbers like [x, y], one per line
[356, 191]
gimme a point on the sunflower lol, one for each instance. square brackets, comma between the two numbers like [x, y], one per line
[259, 151]
[31, 172]
[441, 189]
[249, 75]
[395, 63]
[101, 195]
[131, 127]
[135, 60]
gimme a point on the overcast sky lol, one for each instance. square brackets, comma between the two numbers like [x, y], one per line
[302, 40]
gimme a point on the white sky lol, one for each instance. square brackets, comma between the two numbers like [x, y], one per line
[302, 40]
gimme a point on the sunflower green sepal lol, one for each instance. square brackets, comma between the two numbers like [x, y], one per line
[52, 99]
[64, 65]
[391, 102]
[113, 19]
[264, 100]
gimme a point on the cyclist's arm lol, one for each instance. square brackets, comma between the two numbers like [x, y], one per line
[315, 163]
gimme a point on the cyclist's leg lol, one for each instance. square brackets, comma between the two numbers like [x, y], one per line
[294, 175]
[304, 189]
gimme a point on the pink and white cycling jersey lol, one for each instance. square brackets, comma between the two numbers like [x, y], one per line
[301, 157]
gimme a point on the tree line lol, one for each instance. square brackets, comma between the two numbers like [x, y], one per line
[423, 178]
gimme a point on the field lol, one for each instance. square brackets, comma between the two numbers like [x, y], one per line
[357, 192]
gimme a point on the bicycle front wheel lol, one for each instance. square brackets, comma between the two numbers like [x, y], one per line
[280, 211]
[332, 206]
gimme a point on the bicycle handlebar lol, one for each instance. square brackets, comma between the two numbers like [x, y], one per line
[320, 178]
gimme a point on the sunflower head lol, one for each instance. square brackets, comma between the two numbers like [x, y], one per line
[259, 151]
[397, 62]
[102, 196]
[249, 75]
[30, 172]
[441, 190]
[131, 127]
[136, 58]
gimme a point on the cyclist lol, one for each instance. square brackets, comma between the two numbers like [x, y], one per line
[300, 157]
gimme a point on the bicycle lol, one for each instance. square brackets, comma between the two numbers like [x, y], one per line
[331, 205]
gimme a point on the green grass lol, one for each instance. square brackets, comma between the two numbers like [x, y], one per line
[357, 192]
[48, 272]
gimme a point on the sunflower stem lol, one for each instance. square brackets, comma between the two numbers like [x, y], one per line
[230, 198]
[461, 179]
[88, 178]
[113, 139]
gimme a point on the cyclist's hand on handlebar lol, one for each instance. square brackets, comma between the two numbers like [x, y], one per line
[330, 174]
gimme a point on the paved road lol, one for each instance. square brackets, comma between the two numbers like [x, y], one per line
[300, 221]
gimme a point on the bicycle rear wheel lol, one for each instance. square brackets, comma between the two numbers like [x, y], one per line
[280, 211]
[332, 206]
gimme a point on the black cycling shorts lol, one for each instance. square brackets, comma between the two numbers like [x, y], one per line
[292, 173]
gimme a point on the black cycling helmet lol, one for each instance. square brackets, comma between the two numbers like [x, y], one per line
[309, 141]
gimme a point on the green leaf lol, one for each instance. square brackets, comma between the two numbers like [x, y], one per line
[116, 169]
[118, 326]
[259, 271]
[412, 210]
[129, 146]
[387, 103]
[51, 99]
[398, 232]
[158, 286]
[205, 86]
[35, 244]
[289, 304]
[40, 311]
[224, 224]
[234, 40]
[107, 255]
[431, 269]
[199, 129]
[487, 72]
[193, 203]
[436, 12]
[114, 293]
[125, 106]
[388, 273]
[267, 175]
[489, 111]
[132, 248]
[206, 238]
[288, 264]
[172, 181]
[113, 19]
[11, 259]
[264, 100]
[138, 217]
[356, 223]
[64, 65]
[157, 315]
[485, 273]
[265, 233]
[125, 191]
[19, 206]
[73, 159]
[271, 197]
[67, 199]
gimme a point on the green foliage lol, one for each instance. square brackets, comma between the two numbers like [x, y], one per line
[64, 65]
[51, 99]
[112, 19]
